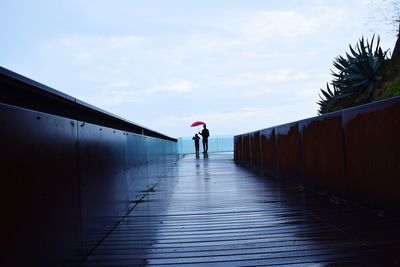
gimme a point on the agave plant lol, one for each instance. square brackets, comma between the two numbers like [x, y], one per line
[330, 98]
[356, 76]
[358, 73]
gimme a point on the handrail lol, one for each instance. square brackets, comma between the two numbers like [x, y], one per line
[372, 105]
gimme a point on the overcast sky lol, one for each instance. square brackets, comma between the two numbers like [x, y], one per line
[239, 65]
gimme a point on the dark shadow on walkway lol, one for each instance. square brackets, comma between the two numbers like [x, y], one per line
[211, 212]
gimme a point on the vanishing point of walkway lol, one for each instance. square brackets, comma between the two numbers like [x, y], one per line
[211, 212]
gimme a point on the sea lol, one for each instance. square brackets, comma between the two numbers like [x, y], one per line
[218, 143]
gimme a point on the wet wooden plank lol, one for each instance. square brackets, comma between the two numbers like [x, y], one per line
[210, 212]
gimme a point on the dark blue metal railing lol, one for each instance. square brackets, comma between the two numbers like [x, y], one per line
[70, 172]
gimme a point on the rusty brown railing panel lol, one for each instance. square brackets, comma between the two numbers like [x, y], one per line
[288, 143]
[323, 153]
[269, 149]
[372, 138]
[255, 150]
[354, 153]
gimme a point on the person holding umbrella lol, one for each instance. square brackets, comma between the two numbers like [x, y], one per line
[205, 134]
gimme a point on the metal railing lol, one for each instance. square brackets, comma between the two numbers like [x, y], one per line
[219, 143]
[75, 169]
[352, 153]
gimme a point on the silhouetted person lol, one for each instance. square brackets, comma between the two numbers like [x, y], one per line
[196, 139]
[205, 134]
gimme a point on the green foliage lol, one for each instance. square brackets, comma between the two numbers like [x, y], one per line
[391, 90]
[356, 76]
[359, 72]
[329, 99]
[333, 100]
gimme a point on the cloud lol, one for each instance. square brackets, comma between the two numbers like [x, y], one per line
[121, 93]
[219, 122]
[83, 49]
[114, 96]
[255, 67]
[247, 79]
[276, 23]
[289, 25]
[179, 86]
[231, 121]
[253, 84]
[98, 61]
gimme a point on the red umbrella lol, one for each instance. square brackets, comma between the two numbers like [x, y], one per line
[197, 123]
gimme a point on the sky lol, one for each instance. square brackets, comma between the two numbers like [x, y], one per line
[238, 65]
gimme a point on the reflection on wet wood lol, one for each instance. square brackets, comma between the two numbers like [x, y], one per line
[211, 212]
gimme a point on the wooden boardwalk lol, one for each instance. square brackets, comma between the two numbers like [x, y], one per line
[211, 212]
